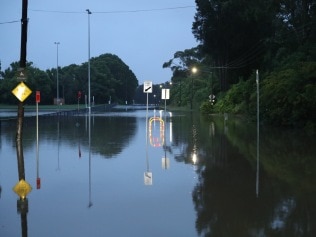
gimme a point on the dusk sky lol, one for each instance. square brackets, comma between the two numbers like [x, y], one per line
[143, 33]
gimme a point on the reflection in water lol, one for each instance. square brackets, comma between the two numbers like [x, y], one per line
[156, 136]
[22, 202]
[218, 199]
[148, 176]
[78, 138]
[194, 149]
[58, 143]
[38, 180]
[225, 197]
[22, 206]
[89, 132]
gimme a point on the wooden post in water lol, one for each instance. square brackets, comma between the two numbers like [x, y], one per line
[20, 115]
[22, 203]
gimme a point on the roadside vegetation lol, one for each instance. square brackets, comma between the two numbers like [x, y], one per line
[111, 79]
[235, 39]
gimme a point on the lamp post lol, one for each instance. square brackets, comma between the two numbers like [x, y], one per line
[180, 99]
[89, 95]
[57, 99]
[89, 108]
[194, 70]
[211, 97]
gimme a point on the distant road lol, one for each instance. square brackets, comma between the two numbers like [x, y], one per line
[10, 112]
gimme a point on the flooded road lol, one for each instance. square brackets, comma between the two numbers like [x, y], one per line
[178, 174]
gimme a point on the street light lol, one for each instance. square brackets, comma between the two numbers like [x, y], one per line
[57, 99]
[89, 96]
[89, 108]
[211, 97]
[194, 71]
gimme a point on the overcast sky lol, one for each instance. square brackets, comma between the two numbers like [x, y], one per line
[143, 33]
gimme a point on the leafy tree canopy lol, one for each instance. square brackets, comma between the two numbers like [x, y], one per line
[110, 78]
[236, 37]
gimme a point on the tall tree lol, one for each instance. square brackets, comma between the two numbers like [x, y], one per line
[115, 76]
[231, 31]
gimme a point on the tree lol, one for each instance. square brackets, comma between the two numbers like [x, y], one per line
[232, 33]
[115, 76]
[110, 78]
[36, 80]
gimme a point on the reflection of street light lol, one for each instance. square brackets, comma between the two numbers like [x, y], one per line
[57, 99]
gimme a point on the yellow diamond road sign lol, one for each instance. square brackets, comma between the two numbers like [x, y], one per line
[22, 188]
[21, 91]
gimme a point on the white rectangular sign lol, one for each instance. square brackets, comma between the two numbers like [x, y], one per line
[165, 94]
[148, 87]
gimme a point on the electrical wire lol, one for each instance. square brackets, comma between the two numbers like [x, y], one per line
[9, 22]
[115, 11]
[258, 49]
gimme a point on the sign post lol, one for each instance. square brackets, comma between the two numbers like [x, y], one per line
[148, 88]
[165, 95]
[38, 180]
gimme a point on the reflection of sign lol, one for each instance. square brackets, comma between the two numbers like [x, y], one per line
[156, 140]
[22, 188]
[148, 87]
[165, 94]
[165, 163]
[38, 183]
[21, 92]
[148, 178]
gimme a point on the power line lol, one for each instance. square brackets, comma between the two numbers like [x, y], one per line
[248, 56]
[116, 11]
[258, 49]
[9, 22]
[65, 12]
[146, 10]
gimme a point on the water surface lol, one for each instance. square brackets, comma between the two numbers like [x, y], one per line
[190, 177]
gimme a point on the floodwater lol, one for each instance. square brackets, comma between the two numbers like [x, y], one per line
[179, 174]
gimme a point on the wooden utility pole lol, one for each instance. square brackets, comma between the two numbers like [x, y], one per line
[20, 115]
